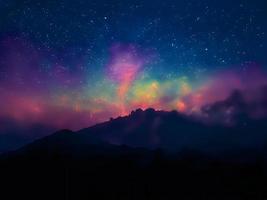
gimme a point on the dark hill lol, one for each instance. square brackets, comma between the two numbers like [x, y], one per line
[111, 161]
[173, 131]
[152, 129]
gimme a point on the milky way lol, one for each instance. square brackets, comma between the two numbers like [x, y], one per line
[71, 65]
[65, 99]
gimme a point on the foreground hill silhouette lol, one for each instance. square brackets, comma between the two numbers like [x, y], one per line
[151, 129]
[146, 155]
[173, 131]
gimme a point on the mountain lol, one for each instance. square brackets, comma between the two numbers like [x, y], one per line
[151, 129]
[121, 159]
[173, 131]
[70, 145]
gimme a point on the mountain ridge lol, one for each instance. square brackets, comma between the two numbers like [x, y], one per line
[151, 129]
[81, 165]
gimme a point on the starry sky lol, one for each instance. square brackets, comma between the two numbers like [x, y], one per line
[71, 64]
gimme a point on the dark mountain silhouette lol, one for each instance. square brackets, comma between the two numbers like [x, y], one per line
[173, 131]
[146, 155]
[169, 131]
[68, 144]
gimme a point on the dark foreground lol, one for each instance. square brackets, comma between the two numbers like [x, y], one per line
[135, 175]
[86, 165]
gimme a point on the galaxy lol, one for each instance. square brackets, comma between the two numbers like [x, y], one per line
[72, 65]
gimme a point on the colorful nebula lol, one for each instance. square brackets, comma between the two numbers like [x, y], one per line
[62, 97]
[71, 64]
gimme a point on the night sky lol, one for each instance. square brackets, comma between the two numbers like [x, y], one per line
[71, 64]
